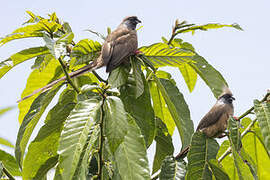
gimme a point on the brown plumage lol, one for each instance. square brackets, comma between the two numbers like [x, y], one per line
[214, 123]
[120, 44]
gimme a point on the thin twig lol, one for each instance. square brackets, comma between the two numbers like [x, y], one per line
[228, 151]
[8, 174]
[99, 78]
[67, 75]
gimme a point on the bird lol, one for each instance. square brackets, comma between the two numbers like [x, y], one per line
[117, 47]
[215, 122]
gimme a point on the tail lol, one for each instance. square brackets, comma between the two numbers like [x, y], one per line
[90, 67]
[183, 153]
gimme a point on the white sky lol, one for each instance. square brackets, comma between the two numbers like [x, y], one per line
[241, 56]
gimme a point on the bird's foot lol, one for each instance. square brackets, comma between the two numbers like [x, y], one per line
[236, 118]
[137, 52]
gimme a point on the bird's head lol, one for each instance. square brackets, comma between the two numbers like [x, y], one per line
[226, 95]
[131, 22]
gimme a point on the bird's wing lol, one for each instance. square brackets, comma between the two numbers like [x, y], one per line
[123, 46]
[212, 116]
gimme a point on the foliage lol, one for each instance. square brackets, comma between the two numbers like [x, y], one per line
[101, 129]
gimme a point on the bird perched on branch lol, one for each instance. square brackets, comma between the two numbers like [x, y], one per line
[118, 45]
[214, 123]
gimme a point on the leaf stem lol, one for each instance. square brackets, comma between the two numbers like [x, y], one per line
[8, 174]
[99, 78]
[228, 151]
[67, 75]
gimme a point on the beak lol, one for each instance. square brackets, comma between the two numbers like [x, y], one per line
[233, 98]
[138, 21]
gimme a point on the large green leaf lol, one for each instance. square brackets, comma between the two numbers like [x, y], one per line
[139, 108]
[116, 125]
[130, 156]
[236, 146]
[46, 142]
[9, 162]
[160, 107]
[31, 119]
[178, 109]
[161, 54]
[36, 80]
[85, 50]
[118, 76]
[189, 75]
[262, 111]
[138, 76]
[172, 169]
[33, 30]
[164, 145]
[202, 149]
[20, 57]
[217, 170]
[6, 142]
[74, 135]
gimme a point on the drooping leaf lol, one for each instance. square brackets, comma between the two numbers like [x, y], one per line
[139, 108]
[217, 171]
[160, 107]
[31, 119]
[85, 51]
[161, 54]
[202, 149]
[164, 145]
[36, 80]
[45, 167]
[116, 124]
[46, 142]
[20, 57]
[130, 156]
[6, 142]
[137, 74]
[118, 76]
[234, 133]
[178, 109]
[262, 111]
[5, 110]
[75, 133]
[9, 162]
[189, 75]
[172, 169]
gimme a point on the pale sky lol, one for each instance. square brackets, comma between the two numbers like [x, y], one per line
[241, 56]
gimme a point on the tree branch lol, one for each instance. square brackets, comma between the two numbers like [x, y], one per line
[99, 78]
[228, 151]
[67, 75]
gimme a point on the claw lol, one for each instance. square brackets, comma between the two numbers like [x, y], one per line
[137, 52]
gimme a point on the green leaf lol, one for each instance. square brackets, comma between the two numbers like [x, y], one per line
[217, 170]
[118, 76]
[1, 169]
[116, 125]
[44, 168]
[160, 107]
[31, 119]
[75, 132]
[206, 27]
[87, 153]
[9, 162]
[262, 111]
[46, 142]
[20, 57]
[189, 75]
[213, 79]
[6, 142]
[234, 133]
[140, 108]
[202, 149]
[5, 110]
[161, 54]
[137, 74]
[130, 156]
[33, 30]
[250, 163]
[178, 109]
[172, 169]
[36, 80]
[164, 145]
[85, 51]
